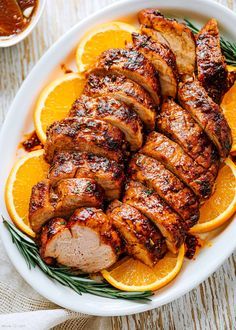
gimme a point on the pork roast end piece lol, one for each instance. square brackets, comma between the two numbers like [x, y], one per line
[86, 242]
[212, 69]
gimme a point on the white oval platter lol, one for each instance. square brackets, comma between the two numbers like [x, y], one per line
[19, 120]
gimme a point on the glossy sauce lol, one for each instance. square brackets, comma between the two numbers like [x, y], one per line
[192, 246]
[31, 142]
[15, 16]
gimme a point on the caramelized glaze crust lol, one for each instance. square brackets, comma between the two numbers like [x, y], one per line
[107, 173]
[177, 36]
[173, 191]
[212, 70]
[131, 64]
[143, 240]
[162, 58]
[124, 90]
[85, 134]
[77, 192]
[194, 98]
[61, 200]
[98, 221]
[148, 202]
[111, 111]
[176, 160]
[49, 230]
[41, 206]
[178, 124]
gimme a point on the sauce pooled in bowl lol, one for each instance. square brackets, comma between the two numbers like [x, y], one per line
[15, 16]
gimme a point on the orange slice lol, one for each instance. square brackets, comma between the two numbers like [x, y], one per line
[26, 172]
[55, 101]
[132, 275]
[228, 105]
[101, 38]
[229, 109]
[231, 68]
[222, 204]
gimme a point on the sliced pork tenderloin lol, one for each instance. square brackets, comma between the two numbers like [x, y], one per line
[124, 90]
[107, 173]
[113, 112]
[162, 58]
[131, 64]
[47, 202]
[143, 241]
[86, 135]
[86, 242]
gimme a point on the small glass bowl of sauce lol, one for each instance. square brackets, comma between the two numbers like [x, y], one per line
[17, 19]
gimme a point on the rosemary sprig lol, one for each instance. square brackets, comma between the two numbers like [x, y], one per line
[65, 276]
[228, 47]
